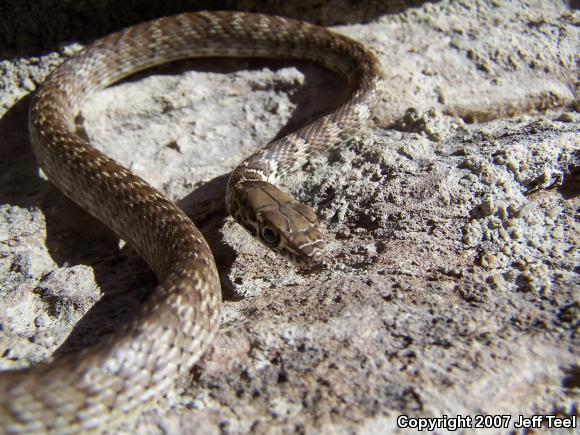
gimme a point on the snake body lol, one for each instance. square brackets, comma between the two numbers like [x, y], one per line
[131, 368]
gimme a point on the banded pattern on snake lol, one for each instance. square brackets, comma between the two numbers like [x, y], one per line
[132, 367]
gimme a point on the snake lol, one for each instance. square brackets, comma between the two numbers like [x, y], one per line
[130, 369]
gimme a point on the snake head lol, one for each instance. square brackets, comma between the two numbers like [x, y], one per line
[279, 222]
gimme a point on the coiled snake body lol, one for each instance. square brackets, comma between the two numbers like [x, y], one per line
[86, 390]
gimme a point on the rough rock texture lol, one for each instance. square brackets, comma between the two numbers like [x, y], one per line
[449, 285]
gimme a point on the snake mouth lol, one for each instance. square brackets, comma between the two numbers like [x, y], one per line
[312, 251]
[316, 256]
[306, 254]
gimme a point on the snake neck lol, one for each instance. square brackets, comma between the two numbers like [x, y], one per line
[239, 183]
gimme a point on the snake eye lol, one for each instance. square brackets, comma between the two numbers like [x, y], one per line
[270, 236]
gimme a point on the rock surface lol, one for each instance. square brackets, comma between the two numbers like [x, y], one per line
[449, 285]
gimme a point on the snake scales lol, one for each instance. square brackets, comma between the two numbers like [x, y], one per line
[132, 367]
